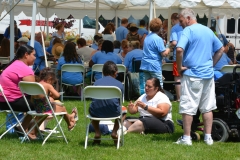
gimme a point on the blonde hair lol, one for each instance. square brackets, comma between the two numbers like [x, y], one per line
[134, 44]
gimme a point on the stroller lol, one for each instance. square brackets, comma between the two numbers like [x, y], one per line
[226, 123]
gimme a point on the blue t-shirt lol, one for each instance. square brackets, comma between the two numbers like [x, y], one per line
[7, 33]
[70, 77]
[121, 33]
[116, 50]
[152, 48]
[136, 53]
[39, 62]
[49, 49]
[101, 58]
[176, 33]
[199, 44]
[224, 60]
[142, 31]
[94, 46]
[106, 108]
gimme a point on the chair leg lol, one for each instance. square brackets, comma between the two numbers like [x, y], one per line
[86, 138]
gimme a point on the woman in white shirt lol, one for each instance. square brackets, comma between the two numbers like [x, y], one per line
[155, 111]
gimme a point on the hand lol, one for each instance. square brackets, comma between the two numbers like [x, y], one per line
[130, 105]
[180, 70]
[141, 104]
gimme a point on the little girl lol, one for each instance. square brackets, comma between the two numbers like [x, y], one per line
[47, 78]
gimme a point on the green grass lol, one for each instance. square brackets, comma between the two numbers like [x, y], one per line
[136, 146]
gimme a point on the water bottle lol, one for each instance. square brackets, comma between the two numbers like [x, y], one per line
[11, 121]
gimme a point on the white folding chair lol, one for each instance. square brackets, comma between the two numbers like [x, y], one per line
[229, 69]
[122, 69]
[102, 92]
[34, 88]
[9, 119]
[96, 68]
[72, 68]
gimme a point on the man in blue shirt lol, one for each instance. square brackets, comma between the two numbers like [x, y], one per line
[39, 62]
[197, 53]
[121, 32]
[142, 31]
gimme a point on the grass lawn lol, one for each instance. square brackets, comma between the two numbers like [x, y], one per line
[136, 146]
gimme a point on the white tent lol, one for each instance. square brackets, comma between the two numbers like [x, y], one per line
[123, 8]
[118, 8]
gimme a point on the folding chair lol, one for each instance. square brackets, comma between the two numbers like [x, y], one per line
[96, 68]
[122, 69]
[72, 68]
[33, 88]
[228, 69]
[102, 92]
[9, 119]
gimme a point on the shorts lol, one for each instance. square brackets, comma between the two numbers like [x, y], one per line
[18, 105]
[155, 125]
[175, 71]
[197, 93]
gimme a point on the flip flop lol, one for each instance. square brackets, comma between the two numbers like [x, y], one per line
[70, 129]
[76, 113]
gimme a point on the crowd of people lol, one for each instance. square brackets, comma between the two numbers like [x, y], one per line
[197, 62]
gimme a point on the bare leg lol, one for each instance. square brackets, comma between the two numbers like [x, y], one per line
[177, 87]
[114, 131]
[207, 120]
[127, 124]
[97, 132]
[69, 118]
[136, 127]
[187, 122]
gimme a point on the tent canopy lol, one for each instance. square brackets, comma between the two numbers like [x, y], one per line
[124, 8]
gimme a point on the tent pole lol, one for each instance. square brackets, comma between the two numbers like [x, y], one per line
[169, 23]
[209, 16]
[80, 28]
[97, 15]
[12, 30]
[34, 13]
[47, 19]
[150, 11]
[116, 19]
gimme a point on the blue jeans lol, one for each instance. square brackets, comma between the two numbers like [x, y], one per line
[158, 75]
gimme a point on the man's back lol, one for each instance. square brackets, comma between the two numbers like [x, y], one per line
[198, 50]
[121, 33]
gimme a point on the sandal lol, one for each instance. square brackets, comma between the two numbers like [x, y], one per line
[70, 129]
[76, 113]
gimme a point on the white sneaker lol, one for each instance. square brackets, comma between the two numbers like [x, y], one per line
[209, 141]
[184, 142]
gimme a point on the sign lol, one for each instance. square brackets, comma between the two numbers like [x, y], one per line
[28, 22]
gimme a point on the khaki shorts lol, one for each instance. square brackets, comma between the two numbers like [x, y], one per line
[197, 93]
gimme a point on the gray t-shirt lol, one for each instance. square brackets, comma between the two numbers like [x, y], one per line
[85, 53]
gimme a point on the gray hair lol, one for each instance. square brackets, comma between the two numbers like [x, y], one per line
[188, 12]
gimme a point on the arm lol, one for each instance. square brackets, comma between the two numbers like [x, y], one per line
[142, 39]
[179, 57]
[52, 92]
[217, 56]
[30, 78]
[165, 53]
[173, 44]
[159, 112]
[91, 63]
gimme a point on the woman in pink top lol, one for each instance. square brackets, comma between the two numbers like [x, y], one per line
[18, 70]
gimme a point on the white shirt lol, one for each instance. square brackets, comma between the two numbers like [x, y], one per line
[157, 99]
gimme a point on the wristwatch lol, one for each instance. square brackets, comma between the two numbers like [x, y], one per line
[146, 107]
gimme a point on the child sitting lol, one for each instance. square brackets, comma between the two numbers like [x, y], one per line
[47, 78]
